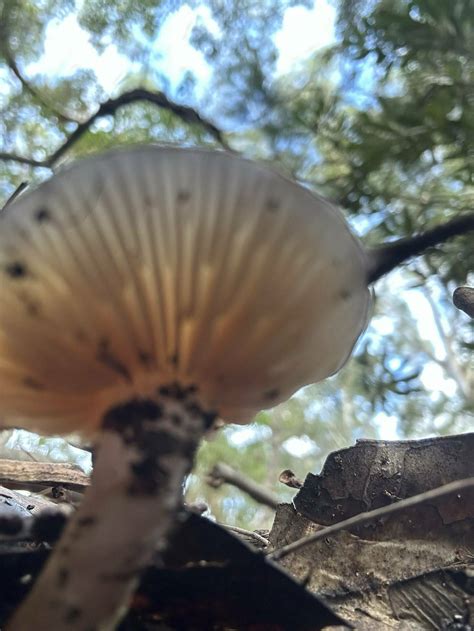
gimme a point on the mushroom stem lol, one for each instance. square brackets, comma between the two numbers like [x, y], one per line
[146, 448]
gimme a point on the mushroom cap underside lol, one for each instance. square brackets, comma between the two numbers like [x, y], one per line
[155, 265]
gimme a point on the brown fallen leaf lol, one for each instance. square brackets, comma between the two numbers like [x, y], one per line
[409, 570]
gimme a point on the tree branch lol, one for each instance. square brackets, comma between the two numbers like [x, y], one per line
[109, 108]
[385, 258]
[13, 157]
[223, 474]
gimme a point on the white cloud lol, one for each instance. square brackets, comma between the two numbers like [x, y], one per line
[177, 56]
[248, 434]
[67, 49]
[387, 426]
[433, 378]
[304, 31]
[300, 446]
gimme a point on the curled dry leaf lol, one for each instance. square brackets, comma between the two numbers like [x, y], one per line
[288, 478]
[209, 579]
[409, 570]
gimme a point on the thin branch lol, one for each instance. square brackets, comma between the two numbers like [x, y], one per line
[362, 518]
[18, 191]
[258, 540]
[14, 157]
[223, 474]
[385, 258]
[108, 108]
[65, 118]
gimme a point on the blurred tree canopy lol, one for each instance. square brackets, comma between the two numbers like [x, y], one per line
[382, 122]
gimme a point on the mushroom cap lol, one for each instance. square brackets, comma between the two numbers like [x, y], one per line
[147, 266]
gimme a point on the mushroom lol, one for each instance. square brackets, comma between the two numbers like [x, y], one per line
[146, 292]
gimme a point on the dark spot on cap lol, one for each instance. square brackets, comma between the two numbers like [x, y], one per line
[174, 359]
[107, 357]
[145, 358]
[31, 382]
[16, 270]
[272, 205]
[183, 196]
[42, 215]
[272, 394]
[345, 294]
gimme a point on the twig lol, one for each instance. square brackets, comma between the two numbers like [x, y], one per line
[19, 189]
[222, 473]
[248, 534]
[388, 256]
[363, 518]
[14, 157]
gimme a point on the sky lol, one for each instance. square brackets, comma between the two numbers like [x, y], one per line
[303, 31]
[67, 46]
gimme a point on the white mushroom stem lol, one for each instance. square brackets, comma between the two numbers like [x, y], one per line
[145, 450]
